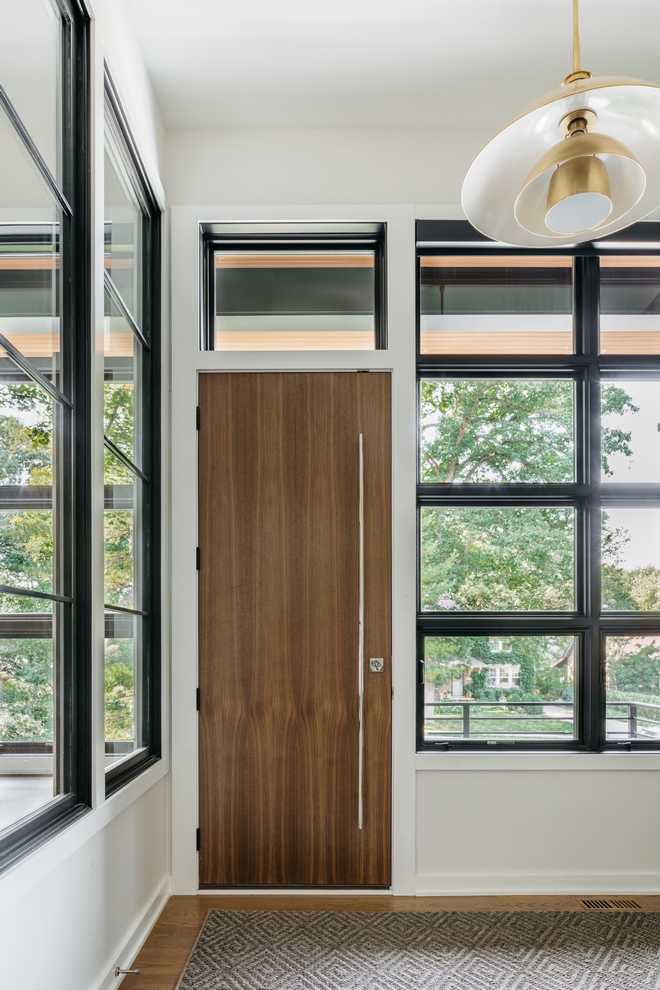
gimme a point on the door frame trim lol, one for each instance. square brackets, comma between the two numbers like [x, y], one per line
[187, 363]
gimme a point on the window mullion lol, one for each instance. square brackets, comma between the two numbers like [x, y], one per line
[587, 445]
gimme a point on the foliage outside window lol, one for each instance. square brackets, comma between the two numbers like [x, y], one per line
[26, 560]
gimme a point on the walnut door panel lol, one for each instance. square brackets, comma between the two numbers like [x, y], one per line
[278, 629]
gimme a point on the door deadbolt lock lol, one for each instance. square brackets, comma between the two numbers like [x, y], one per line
[376, 664]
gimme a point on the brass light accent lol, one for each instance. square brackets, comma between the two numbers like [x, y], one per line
[577, 121]
[577, 72]
[578, 195]
[568, 190]
[527, 188]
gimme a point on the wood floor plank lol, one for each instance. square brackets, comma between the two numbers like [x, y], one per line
[164, 954]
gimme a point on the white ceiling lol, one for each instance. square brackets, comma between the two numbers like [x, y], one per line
[379, 63]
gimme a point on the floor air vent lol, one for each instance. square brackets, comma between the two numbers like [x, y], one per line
[611, 904]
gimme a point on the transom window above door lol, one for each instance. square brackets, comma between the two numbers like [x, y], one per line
[293, 288]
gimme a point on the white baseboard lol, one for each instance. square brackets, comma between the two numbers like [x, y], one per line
[135, 940]
[473, 884]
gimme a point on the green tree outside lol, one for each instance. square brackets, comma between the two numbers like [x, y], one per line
[517, 559]
[26, 560]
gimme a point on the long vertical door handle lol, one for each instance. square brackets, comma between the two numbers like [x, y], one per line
[361, 631]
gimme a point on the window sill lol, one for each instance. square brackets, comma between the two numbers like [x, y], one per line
[122, 772]
[537, 761]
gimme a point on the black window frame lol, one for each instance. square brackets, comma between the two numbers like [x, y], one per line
[310, 237]
[587, 493]
[149, 748]
[74, 669]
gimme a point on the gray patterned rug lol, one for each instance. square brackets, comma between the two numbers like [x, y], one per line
[332, 950]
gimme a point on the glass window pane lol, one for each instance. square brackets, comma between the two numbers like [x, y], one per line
[122, 361]
[26, 477]
[512, 559]
[508, 687]
[630, 434]
[294, 301]
[26, 438]
[480, 305]
[123, 231]
[27, 779]
[633, 687]
[496, 431]
[121, 490]
[23, 605]
[29, 257]
[29, 292]
[30, 56]
[26, 548]
[630, 305]
[122, 646]
[26, 698]
[26, 728]
[631, 559]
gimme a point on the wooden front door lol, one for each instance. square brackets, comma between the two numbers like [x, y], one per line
[279, 599]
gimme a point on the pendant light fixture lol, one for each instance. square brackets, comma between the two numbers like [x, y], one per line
[579, 163]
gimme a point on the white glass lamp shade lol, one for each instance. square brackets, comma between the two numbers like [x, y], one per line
[505, 193]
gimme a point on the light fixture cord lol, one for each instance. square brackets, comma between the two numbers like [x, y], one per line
[576, 38]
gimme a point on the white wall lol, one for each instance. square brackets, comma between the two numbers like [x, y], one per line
[315, 167]
[67, 918]
[83, 902]
[481, 824]
[554, 824]
[121, 51]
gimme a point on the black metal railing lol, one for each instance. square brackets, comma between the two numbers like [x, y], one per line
[471, 718]
[467, 715]
[638, 725]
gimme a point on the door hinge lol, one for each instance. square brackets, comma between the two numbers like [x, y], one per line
[197, 841]
[198, 417]
[197, 699]
[198, 558]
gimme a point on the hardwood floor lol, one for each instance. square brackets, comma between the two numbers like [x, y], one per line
[167, 948]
